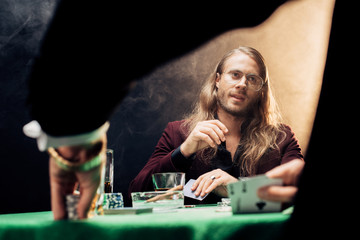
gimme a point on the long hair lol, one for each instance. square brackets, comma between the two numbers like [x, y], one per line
[259, 133]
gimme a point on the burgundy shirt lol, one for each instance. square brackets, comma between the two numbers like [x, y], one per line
[168, 158]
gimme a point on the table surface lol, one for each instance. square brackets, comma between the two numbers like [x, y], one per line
[187, 223]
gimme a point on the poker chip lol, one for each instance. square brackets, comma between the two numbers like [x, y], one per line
[72, 201]
[113, 200]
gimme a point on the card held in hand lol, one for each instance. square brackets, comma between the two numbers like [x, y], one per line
[244, 197]
[191, 194]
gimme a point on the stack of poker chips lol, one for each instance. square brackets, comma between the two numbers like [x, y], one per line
[72, 201]
[113, 200]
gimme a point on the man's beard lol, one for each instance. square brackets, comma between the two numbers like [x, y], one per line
[236, 112]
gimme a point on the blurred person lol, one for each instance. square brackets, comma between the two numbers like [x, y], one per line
[234, 131]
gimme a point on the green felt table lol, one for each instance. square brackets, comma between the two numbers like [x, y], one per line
[190, 223]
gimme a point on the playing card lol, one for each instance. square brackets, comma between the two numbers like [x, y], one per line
[244, 197]
[191, 194]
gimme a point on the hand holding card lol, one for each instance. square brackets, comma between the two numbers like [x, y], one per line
[244, 197]
[191, 194]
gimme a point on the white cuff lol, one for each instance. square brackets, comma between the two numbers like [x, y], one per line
[44, 141]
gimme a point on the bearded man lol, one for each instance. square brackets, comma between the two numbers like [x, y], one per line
[235, 130]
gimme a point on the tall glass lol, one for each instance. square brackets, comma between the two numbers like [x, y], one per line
[109, 172]
[106, 184]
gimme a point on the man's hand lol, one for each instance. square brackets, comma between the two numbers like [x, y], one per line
[207, 133]
[216, 181]
[63, 182]
[289, 173]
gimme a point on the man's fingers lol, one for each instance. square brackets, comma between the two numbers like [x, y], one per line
[220, 125]
[217, 130]
[277, 193]
[213, 128]
[200, 187]
[213, 184]
[211, 133]
[206, 138]
[204, 184]
[57, 202]
[86, 199]
[207, 133]
[89, 183]
[62, 183]
[289, 171]
[208, 186]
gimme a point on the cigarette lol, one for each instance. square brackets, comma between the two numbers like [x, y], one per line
[165, 195]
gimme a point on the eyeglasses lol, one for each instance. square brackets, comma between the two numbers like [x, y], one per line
[253, 81]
